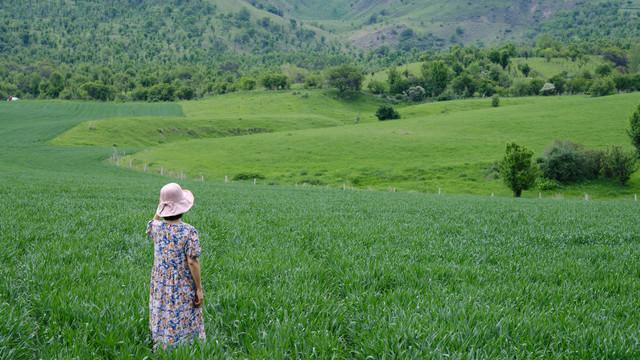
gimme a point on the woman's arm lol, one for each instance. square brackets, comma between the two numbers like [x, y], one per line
[194, 266]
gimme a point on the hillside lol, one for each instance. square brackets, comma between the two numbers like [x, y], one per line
[450, 145]
[210, 31]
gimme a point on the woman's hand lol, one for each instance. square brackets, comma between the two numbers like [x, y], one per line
[197, 302]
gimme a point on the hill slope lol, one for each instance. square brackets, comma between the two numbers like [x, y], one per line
[208, 31]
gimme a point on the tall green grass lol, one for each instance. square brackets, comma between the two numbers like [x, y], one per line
[303, 273]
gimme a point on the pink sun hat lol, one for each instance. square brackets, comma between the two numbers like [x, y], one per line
[174, 200]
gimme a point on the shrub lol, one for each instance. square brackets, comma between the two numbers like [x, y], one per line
[248, 175]
[546, 184]
[313, 80]
[495, 100]
[535, 85]
[415, 93]
[596, 160]
[548, 89]
[247, 83]
[634, 129]
[564, 161]
[386, 112]
[376, 87]
[620, 164]
[602, 87]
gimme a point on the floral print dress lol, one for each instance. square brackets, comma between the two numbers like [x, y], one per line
[172, 315]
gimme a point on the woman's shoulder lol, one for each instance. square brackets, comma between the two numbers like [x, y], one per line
[188, 226]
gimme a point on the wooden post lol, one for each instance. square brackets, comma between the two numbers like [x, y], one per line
[161, 171]
[635, 197]
[344, 187]
[145, 167]
[118, 162]
[491, 194]
[202, 177]
[439, 191]
[254, 181]
[586, 197]
[130, 163]
[296, 184]
[540, 195]
[226, 179]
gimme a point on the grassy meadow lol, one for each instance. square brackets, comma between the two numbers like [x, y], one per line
[449, 147]
[313, 273]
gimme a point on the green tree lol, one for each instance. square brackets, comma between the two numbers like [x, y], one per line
[634, 129]
[517, 170]
[620, 164]
[56, 84]
[345, 77]
[435, 77]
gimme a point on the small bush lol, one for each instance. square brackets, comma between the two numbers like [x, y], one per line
[602, 87]
[386, 112]
[248, 175]
[495, 100]
[620, 164]
[564, 161]
[547, 184]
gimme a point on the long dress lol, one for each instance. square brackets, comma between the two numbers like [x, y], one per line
[172, 314]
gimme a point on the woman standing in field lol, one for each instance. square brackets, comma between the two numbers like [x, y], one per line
[175, 301]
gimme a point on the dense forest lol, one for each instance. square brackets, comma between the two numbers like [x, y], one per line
[175, 49]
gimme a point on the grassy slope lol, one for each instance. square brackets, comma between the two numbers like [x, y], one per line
[302, 273]
[232, 114]
[449, 145]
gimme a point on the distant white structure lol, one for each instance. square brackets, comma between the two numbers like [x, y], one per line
[13, 98]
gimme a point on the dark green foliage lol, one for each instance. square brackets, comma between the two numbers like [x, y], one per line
[248, 175]
[495, 100]
[602, 87]
[275, 81]
[564, 161]
[617, 56]
[634, 129]
[247, 83]
[376, 87]
[516, 168]
[603, 70]
[435, 77]
[525, 69]
[313, 81]
[345, 77]
[620, 164]
[162, 92]
[387, 112]
[99, 91]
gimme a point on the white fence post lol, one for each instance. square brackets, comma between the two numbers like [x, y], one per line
[226, 179]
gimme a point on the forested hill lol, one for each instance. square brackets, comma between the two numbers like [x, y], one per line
[106, 49]
[206, 31]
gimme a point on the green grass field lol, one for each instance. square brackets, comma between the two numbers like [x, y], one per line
[304, 273]
[449, 147]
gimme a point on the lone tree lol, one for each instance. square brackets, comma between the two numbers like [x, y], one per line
[345, 77]
[517, 170]
[634, 131]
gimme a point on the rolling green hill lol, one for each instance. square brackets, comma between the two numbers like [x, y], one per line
[451, 145]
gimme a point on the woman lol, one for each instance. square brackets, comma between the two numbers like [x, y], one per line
[175, 302]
